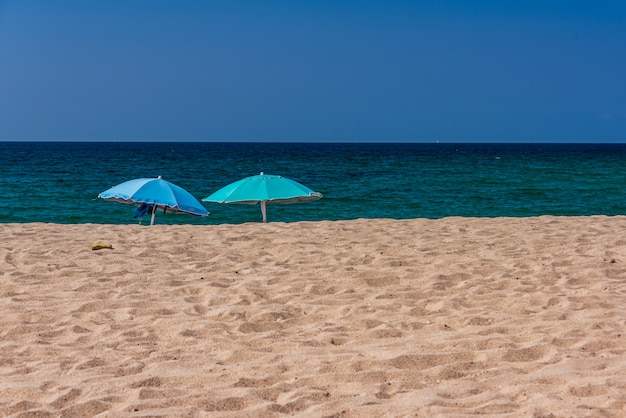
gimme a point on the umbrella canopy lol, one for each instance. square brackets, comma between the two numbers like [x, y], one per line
[264, 188]
[158, 193]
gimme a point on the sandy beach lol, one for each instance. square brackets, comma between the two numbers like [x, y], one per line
[506, 317]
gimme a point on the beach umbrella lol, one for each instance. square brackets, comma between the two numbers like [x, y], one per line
[263, 189]
[154, 194]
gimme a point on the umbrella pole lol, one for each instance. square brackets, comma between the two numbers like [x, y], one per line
[264, 211]
[153, 213]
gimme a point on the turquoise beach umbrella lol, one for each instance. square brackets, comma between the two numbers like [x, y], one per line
[155, 192]
[263, 189]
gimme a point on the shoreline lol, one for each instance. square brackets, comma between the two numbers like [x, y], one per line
[274, 222]
[366, 317]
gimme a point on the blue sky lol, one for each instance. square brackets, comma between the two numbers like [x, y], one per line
[315, 71]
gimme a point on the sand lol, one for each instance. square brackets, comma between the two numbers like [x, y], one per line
[495, 317]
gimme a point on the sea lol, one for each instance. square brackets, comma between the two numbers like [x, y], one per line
[59, 182]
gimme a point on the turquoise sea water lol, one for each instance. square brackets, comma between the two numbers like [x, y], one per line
[60, 182]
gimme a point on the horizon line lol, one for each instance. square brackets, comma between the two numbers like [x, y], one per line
[434, 142]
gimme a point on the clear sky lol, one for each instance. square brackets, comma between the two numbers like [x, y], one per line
[315, 71]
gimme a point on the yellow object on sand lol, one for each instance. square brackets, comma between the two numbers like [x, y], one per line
[99, 245]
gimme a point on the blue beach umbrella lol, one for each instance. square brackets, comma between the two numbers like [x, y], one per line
[155, 193]
[263, 189]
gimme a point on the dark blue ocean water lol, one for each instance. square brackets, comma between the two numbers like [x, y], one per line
[60, 182]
